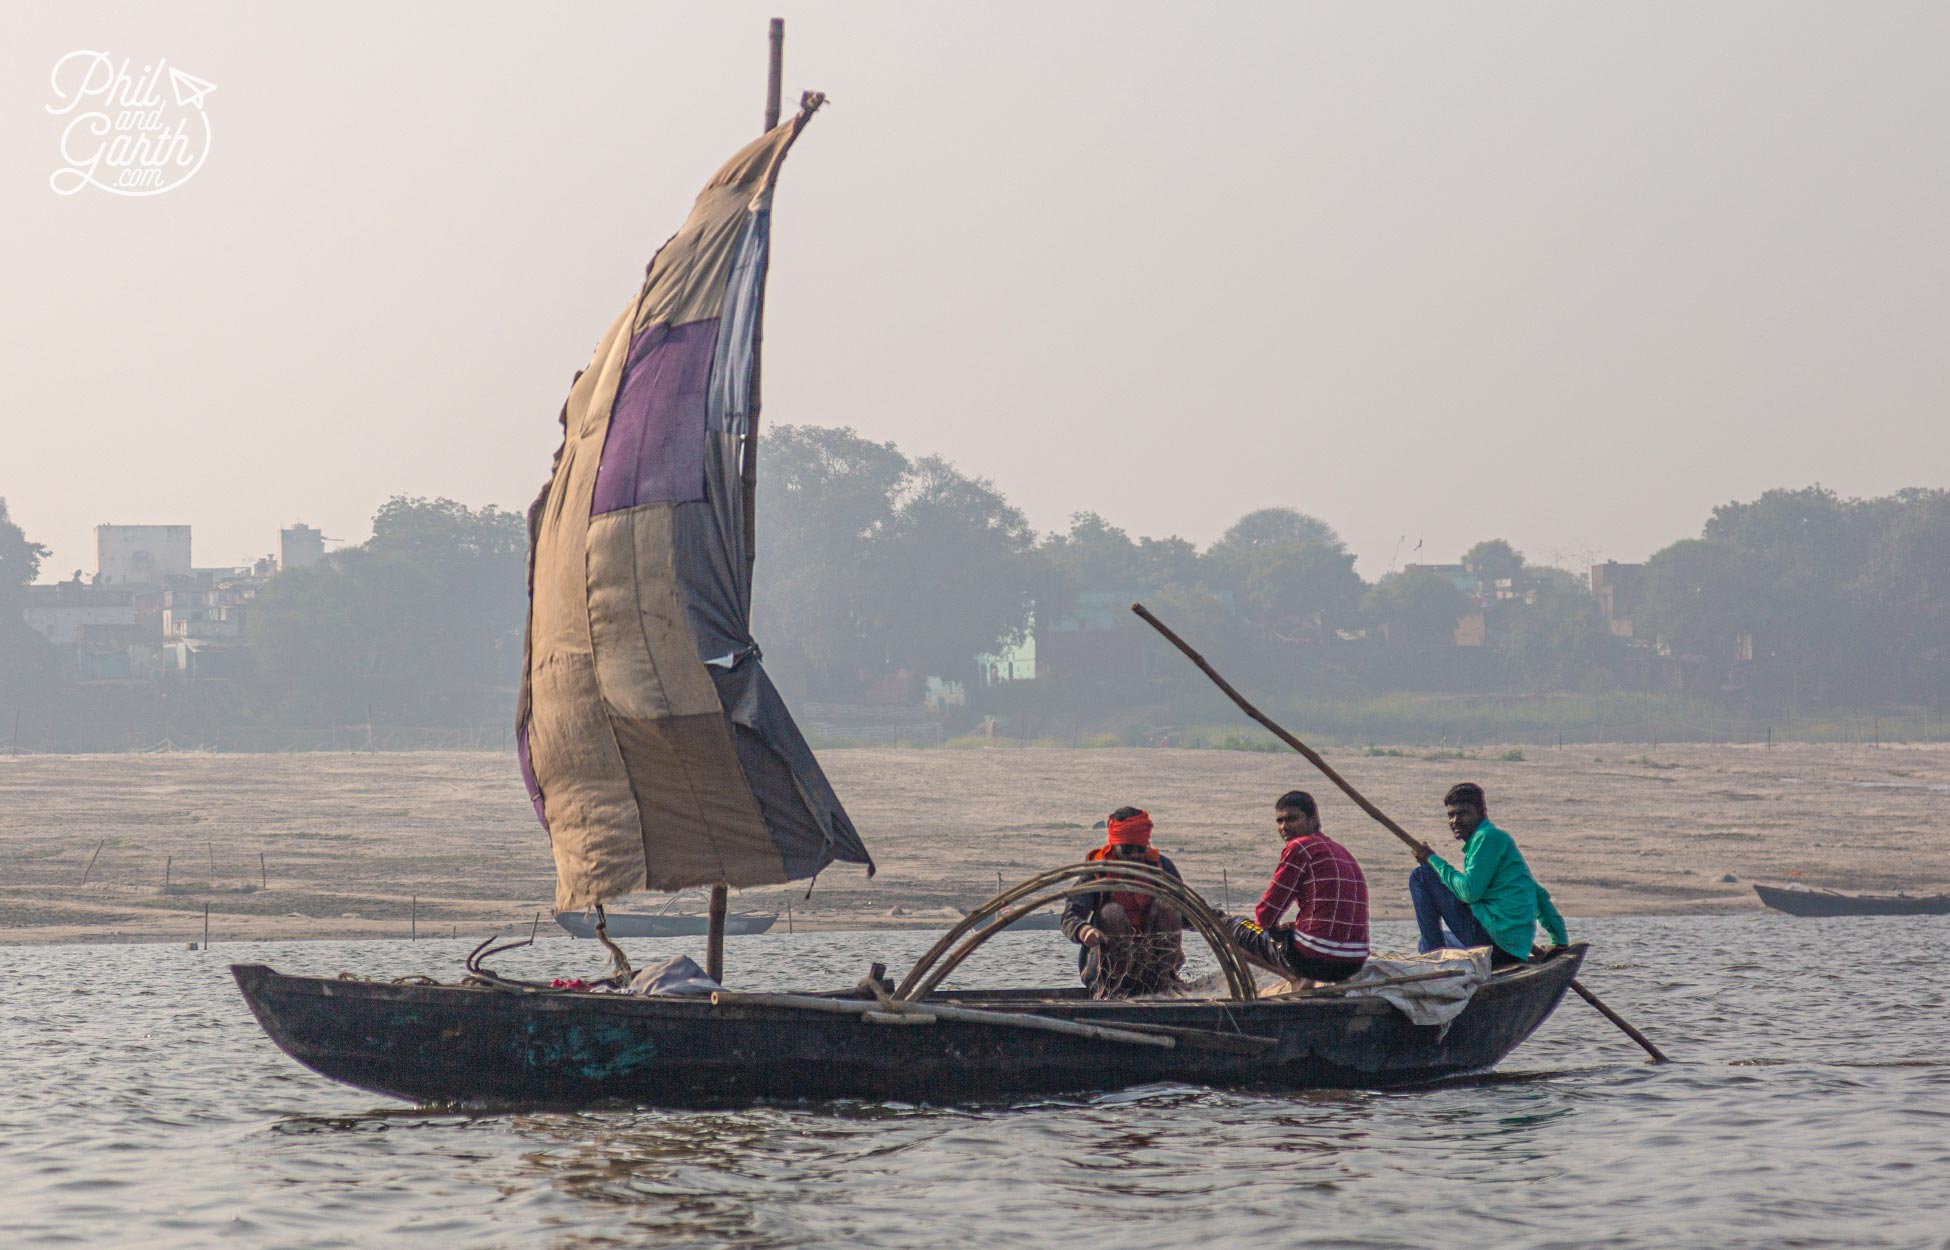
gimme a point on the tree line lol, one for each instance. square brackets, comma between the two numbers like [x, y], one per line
[877, 567]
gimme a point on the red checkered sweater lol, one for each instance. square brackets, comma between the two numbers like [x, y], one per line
[1317, 873]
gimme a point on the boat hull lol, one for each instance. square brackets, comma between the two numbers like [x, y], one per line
[457, 1045]
[1828, 903]
[629, 925]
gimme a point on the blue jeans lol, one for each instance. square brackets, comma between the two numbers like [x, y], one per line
[1435, 906]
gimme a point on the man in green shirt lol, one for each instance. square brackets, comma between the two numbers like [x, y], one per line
[1492, 900]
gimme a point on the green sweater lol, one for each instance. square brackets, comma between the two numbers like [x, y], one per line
[1500, 891]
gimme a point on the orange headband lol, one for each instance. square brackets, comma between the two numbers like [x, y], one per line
[1135, 831]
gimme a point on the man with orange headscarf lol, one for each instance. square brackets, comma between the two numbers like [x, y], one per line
[1128, 943]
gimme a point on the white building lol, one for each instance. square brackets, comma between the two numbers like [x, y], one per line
[67, 614]
[141, 555]
[300, 546]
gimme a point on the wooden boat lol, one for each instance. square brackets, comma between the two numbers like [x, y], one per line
[1814, 902]
[482, 1046]
[659, 757]
[622, 924]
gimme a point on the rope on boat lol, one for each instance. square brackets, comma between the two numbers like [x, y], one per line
[1091, 877]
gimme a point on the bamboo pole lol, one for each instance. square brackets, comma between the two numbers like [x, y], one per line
[1360, 800]
[775, 74]
[714, 941]
[959, 1015]
[748, 478]
[91, 860]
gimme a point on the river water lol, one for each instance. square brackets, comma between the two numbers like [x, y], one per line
[1810, 1106]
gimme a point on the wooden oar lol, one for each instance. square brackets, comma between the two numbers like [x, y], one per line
[1413, 843]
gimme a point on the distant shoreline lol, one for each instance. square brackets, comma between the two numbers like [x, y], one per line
[355, 846]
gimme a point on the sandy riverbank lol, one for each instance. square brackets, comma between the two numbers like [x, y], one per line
[348, 840]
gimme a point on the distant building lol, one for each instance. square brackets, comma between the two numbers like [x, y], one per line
[1093, 642]
[300, 547]
[141, 555]
[208, 659]
[1011, 663]
[68, 611]
[108, 634]
[1619, 589]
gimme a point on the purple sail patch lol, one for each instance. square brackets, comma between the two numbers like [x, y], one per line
[654, 452]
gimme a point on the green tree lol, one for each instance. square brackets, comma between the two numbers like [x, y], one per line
[1699, 597]
[1800, 551]
[870, 563]
[826, 499]
[1492, 561]
[1300, 590]
[956, 570]
[1560, 641]
[20, 560]
[1905, 592]
[30, 669]
[422, 625]
[1096, 555]
[1418, 607]
[1262, 530]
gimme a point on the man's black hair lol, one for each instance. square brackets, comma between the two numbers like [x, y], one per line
[1125, 813]
[1466, 792]
[1299, 800]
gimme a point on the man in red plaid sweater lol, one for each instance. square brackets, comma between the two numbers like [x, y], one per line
[1328, 937]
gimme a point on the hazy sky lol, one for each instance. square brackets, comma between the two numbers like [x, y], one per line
[1566, 274]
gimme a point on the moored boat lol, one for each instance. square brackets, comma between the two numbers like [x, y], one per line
[623, 924]
[1819, 902]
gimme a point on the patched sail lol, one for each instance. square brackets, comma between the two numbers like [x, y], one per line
[657, 752]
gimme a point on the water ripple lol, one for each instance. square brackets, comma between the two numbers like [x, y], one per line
[1808, 1108]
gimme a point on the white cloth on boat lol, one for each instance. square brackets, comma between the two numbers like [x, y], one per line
[677, 975]
[1437, 1001]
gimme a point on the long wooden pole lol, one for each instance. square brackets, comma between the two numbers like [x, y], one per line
[748, 475]
[1360, 800]
[714, 942]
[775, 77]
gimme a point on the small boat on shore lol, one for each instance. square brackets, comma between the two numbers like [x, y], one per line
[1042, 921]
[1803, 901]
[623, 924]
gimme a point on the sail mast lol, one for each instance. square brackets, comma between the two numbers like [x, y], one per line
[748, 470]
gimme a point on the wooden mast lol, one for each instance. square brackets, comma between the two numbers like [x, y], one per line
[747, 470]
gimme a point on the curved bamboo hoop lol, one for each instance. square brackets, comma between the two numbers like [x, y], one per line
[1086, 878]
[1236, 977]
[1022, 889]
[1150, 882]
